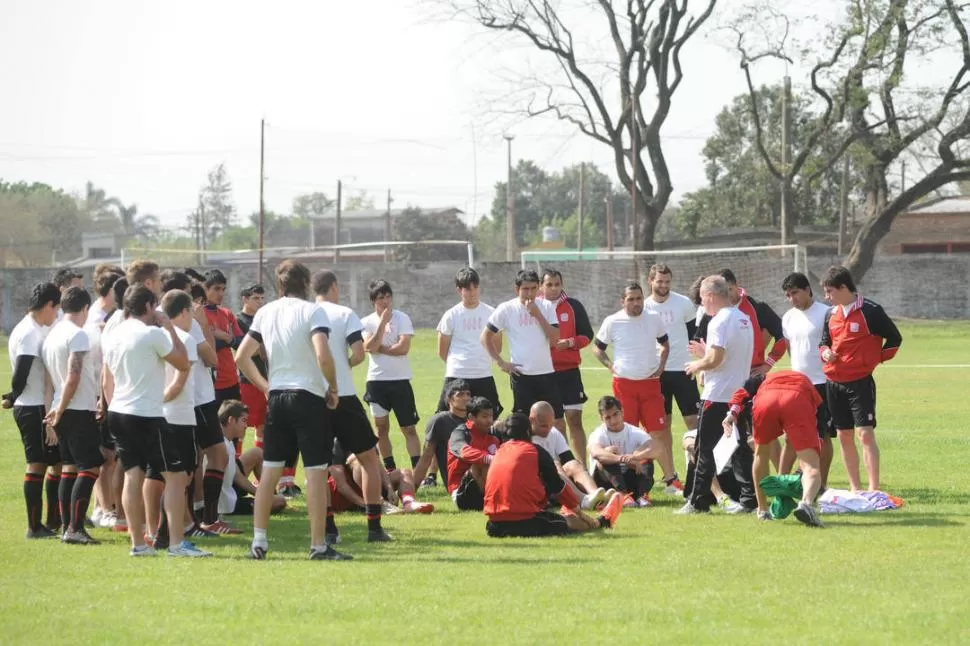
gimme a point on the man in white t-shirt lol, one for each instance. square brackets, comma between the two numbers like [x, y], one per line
[621, 453]
[636, 335]
[802, 326]
[572, 471]
[726, 365]
[67, 358]
[387, 341]
[302, 391]
[26, 397]
[532, 328]
[350, 424]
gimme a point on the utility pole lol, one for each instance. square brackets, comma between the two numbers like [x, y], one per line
[200, 230]
[609, 220]
[262, 207]
[582, 203]
[844, 203]
[634, 154]
[904, 175]
[336, 223]
[387, 228]
[510, 244]
[785, 158]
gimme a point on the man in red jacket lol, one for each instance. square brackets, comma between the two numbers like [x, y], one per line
[857, 336]
[575, 333]
[785, 402]
[470, 452]
[522, 479]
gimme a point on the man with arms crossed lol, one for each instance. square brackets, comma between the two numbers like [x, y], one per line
[301, 390]
[857, 336]
[726, 365]
[252, 298]
[532, 328]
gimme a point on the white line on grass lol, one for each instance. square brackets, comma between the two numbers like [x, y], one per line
[881, 367]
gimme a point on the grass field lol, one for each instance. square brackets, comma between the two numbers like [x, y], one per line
[893, 577]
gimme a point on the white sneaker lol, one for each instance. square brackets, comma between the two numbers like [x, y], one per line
[142, 550]
[388, 509]
[96, 517]
[592, 499]
[731, 507]
[689, 510]
[108, 520]
[187, 549]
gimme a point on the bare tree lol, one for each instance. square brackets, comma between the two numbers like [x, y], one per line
[877, 117]
[646, 38]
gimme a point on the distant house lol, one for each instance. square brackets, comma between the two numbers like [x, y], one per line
[935, 226]
[367, 225]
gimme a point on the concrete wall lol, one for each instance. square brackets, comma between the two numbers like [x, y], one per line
[913, 286]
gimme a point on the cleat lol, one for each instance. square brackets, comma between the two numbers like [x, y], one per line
[187, 549]
[258, 552]
[379, 536]
[388, 509]
[221, 527]
[674, 488]
[614, 506]
[78, 537]
[120, 526]
[40, 533]
[328, 554]
[331, 539]
[429, 481]
[690, 510]
[289, 491]
[415, 507]
[142, 550]
[765, 515]
[197, 532]
[645, 501]
[805, 513]
[593, 498]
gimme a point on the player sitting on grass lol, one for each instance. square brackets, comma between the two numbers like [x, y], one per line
[521, 480]
[346, 478]
[470, 451]
[622, 453]
[544, 434]
[437, 433]
[238, 492]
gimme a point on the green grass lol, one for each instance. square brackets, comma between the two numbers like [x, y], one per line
[892, 577]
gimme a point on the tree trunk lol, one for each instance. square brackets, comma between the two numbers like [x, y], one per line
[879, 218]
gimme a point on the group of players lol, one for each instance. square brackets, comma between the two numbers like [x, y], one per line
[166, 382]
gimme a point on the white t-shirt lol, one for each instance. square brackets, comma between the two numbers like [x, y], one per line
[675, 312]
[96, 313]
[228, 496]
[627, 441]
[181, 410]
[554, 443]
[63, 339]
[803, 330]
[528, 343]
[203, 389]
[285, 326]
[344, 324]
[731, 330]
[383, 367]
[107, 333]
[467, 358]
[95, 354]
[136, 359]
[26, 339]
[634, 340]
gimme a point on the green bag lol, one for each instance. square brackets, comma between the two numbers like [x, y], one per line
[786, 491]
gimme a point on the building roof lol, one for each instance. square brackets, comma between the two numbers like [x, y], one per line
[942, 205]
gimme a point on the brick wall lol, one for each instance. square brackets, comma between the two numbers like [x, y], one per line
[926, 228]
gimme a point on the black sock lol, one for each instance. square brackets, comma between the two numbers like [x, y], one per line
[673, 477]
[211, 490]
[64, 491]
[373, 517]
[331, 525]
[51, 490]
[602, 521]
[389, 463]
[81, 498]
[33, 498]
[414, 460]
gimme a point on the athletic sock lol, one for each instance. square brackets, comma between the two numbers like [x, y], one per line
[414, 460]
[64, 491]
[406, 498]
[211, 489]
[259, 537]
[33, 498]
[373, 517]
[602, 521]
[389, 463]
[81, 498]
[331, 525]
[51, 490]
[669, 480]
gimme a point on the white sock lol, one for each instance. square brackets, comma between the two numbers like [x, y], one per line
[318, 548]
[259, 536]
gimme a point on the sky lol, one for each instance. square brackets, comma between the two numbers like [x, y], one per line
[143, 98]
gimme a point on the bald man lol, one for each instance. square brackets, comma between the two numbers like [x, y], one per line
[542, 418]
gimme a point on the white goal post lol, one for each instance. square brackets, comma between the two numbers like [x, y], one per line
[798, 252]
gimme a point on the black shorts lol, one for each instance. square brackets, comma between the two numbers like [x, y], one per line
[571, 391]
[79, 439]
[823, 419]
[397, 396]
[30, 421]
[545, 523]
[351, 426]
[482, 387]
[244, 505]
[468, 496]
[178, 440]
[208, 430]
[297, 422]
[529, 389]
[682, 387]
[141, 443]
[107, 440]
[852, 404]
[232, 392]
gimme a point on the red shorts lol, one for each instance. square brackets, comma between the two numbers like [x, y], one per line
[255, 401]
[788, 412]
[337, 502]
[642, 401]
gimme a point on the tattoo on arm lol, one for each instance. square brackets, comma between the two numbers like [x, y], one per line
[76, 362]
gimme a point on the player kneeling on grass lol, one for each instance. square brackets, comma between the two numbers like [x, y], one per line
[784, 403]
[521, 480]
[238, 492]
[622, 453]
[470, 451]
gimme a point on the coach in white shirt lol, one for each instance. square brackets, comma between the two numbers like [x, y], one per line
[459, 343]
[802, 327]
[532, 329]
[726, 365]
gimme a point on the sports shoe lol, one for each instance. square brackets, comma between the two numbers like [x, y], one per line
[593, 498]
[107, 520]
[289, 491]
[805, 513]
[258, 552]
[415, 507]
[611, 512]
[379, 536]
[331, 539]
[328, 554]
[628, 500]
[89, 523]
[430, 481]
[645, 501]
[120, 526]
[79, 537]
[765, 515]
[388, 509]
[674, 488]
[187, 549]
[690, 510]
[737, 508]
[97, 515]
[220, 527]
[40, 533]
[196, 531]
[142, 550]
[729, 506]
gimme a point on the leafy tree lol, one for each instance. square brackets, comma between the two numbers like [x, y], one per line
[143, 227]
[312, 205]
[220, 212]
[413, 224]
[39, 224]
[362, 201]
